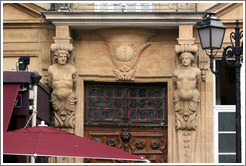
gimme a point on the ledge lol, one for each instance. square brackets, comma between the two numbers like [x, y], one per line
[89, 20]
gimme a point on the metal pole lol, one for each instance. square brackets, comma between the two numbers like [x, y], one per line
[238, 93]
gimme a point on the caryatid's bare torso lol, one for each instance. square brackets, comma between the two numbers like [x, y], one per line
[62, 80]
[186, 80]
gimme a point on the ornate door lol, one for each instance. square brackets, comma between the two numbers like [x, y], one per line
[131, 117]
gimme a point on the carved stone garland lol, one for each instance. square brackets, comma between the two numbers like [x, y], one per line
[125, 56]
[186, 100]
[62, 79]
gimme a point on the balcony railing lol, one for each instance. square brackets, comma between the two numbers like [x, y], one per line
[123, 7]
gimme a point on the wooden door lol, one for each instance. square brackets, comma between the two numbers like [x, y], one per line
[131, 117]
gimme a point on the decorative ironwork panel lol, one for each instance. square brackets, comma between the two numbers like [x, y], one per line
[126, 103]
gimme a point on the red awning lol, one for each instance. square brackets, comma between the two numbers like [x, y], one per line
[10, 92]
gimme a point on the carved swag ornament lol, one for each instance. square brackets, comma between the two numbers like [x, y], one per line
[62, 79]
[186, 97]
[125, 56]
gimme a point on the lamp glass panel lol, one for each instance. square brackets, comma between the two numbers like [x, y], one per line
[204, 37]
[217, 37]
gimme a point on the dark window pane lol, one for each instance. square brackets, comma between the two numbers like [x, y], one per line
[99, 114]
[109, 103]
[159, 104]
[142, 92]
[109, 92]
[92, 91]
[100, 102]
[142, 114]
[151, 114]
[118, 92]
[151, 92]
[133, 103]
[100, 91]
[151, 103]
[227, 143]
[142, 103]
[225, 85]
[160, 114]
[227, 159]
[118, 103]
[133, 92]
[108, 114]
[118, 114]
[90, 114]
[227, 121]
[159, 92]
[133, 114]
[91, 102]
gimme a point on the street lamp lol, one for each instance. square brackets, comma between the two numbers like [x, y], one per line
[211, 32]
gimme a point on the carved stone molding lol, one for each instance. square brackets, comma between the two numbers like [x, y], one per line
[186, 48]
[125, 56]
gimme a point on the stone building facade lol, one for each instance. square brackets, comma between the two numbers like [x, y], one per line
[124, 51]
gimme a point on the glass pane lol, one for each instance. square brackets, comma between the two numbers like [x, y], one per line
[118, 92]
[109, 92]
[90, 114]
[160, 114]
[142, 114]
[217, 37]
[151, 114]
[227, 159]
[133, 103]
[151, 103]
[225, 85]
[133, 114]
[159, 103]
[142, 103]
[142, 92]
[118, 114]
[227, 143]
[118, 103]
[151, 92]
[91, 102]
[159, 93]
[133, 92]
[92, 91]
[100, 102]
[204, 37]
[227, 121]
[99, 114]
[109, 103]
[100, 91]
[108, 114]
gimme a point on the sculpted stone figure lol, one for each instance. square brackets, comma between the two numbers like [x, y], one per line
[186, 98]
[62, 79]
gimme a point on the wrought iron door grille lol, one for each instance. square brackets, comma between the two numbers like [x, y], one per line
[125, 103]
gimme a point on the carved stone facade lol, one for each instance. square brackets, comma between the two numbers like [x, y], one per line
[122, 53]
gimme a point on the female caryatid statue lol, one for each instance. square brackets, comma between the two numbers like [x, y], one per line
[186, 96]
[62, 79]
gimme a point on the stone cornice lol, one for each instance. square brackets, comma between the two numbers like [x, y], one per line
[119, 19]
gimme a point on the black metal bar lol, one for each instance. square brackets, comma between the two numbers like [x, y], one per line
[237, 53]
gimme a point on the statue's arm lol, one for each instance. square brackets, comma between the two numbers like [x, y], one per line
[175, 74]
[198, 77]
[50, 77]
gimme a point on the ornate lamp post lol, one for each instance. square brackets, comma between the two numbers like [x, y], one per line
[211, 32]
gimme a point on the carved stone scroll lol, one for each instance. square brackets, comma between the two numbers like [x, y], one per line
[62, 79]
[186, 99]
